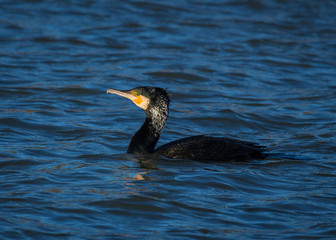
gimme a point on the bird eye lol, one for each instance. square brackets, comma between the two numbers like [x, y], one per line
[138, 94]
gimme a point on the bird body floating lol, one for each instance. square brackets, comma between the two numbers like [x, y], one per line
[155, 103]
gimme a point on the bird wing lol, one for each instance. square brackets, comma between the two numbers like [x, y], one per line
[205, 148]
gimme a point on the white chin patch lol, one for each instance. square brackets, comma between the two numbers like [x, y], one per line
[144, 104]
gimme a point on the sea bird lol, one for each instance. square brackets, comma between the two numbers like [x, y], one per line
[155, 103]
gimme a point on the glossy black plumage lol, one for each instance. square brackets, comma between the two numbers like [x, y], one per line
[155, 103]
[206, 148]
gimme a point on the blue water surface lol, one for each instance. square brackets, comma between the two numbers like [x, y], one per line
[261, 71]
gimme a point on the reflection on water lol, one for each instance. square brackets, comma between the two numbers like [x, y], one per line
[261, 71]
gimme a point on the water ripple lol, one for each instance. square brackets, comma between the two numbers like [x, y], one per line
[253, 70]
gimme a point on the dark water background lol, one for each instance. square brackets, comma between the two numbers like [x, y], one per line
[262, 71]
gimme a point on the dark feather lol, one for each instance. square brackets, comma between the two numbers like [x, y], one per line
[205, 148]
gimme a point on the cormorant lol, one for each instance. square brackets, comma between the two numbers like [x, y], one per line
[155, 102]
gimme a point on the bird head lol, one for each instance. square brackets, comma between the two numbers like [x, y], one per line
[145, 97]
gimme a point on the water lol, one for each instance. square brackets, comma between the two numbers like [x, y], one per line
[262, 71]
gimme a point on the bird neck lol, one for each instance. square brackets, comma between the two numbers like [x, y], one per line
[145, 139]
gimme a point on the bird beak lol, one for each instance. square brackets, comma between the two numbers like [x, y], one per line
[139, 100]
[123, 93]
